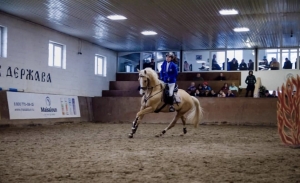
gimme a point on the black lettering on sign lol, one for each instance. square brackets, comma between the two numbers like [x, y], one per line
[16, 72]
[43, 76]
[29, 75]
[22, 73]
[49, 78]
[8, 73]
[37, 76]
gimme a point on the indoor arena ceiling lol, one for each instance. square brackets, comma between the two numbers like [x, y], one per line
[180, 24]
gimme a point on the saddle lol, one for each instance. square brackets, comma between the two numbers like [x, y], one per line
[175, 98]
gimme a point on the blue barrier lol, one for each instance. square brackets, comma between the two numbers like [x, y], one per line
[13, 89]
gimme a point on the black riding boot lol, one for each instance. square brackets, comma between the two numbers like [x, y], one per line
[171, 101]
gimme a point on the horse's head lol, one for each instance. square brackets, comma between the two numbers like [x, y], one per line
[148, 79]
[143, 79]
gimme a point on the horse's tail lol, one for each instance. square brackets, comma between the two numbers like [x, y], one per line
[197, 113]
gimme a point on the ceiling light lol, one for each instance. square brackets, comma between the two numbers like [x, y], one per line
[241, 29]
[228, 12]
[116, 17]
[248, 44]
[147, 33]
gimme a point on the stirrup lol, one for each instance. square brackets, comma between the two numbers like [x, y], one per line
[171, 109]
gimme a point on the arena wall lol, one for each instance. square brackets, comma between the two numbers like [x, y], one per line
[236, 111]
[85, 104]
[27, 49]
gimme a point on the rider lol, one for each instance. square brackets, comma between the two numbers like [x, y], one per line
[168, 75]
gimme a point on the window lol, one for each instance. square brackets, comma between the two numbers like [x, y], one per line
[3, 41]
[57, 55]
[100, 65]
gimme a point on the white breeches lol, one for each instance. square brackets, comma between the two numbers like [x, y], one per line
[171, 88]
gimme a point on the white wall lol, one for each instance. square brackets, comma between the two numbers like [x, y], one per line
[28, 49]
[270, 79]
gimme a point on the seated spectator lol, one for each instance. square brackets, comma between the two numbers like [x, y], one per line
[274, 94]
[192, 88]
[243, 66]
[199, 87]
[213, 93]
[287, 64]
[198, 77]
[267, 94]
[197, 93]
[221, 77]
[221, 94]
[215, 66]
[233, 87]
[203, 67]
[274, 65]
[206, 93]
[205, 86]
[230, 94]
[225, 88]
[234, 65]
[250, 65]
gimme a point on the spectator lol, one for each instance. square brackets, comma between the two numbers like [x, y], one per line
[213, 93]
[186, 66]
[287, 64]
[152, 64]
[250, 81]
[274, 65]
[221, 94]
[197, 93]
[230, 94]
[250, 65]
[274, 94]
[234, 65]
[203, 67]
[233, 87]
[267, 94]
[206, 93]
[198, 77]
[243, 66]
[215, 66]
[221, 77]
[205, 86]
[225, 88]
[192, 88]
[199, 87]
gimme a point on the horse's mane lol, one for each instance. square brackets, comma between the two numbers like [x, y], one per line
[151, 74]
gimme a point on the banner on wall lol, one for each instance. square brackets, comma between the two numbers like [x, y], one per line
[35, 106]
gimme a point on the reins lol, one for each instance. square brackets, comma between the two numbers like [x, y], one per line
[151, 88]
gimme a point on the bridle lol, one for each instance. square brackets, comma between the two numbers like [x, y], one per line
[146, 98]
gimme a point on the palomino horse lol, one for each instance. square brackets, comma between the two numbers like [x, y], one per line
[152, 100]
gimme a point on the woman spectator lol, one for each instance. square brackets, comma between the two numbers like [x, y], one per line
[225, 88]
[233, 87]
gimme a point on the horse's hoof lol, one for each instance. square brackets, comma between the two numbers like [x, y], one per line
[181, 135]
[130, 135]
[158, 135]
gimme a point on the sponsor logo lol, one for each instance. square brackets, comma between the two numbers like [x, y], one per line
[48, 104]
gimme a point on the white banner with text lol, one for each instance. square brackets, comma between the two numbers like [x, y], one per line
[34, 106]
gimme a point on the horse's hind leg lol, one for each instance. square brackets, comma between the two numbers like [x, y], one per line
[172, 124]
[183, 119]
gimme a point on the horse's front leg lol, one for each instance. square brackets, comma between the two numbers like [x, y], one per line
[138, 118]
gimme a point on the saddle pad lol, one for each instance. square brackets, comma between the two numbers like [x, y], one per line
[177, 98]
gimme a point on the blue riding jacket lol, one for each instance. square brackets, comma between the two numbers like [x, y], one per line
[171, 75]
